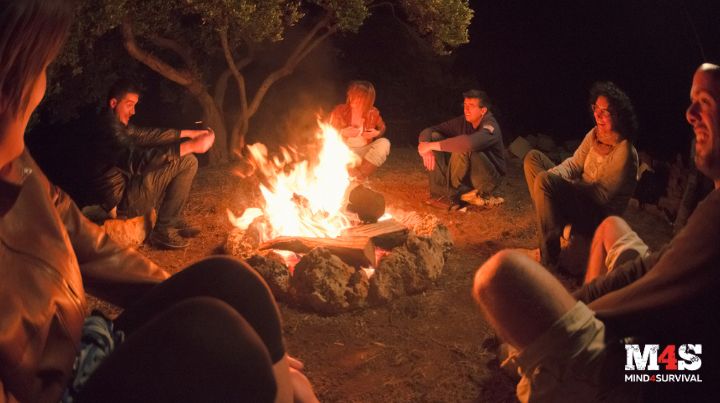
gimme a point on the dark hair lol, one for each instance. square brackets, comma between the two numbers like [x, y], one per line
[122, 87]
[31, 35]
[620, 107]
[478, 94]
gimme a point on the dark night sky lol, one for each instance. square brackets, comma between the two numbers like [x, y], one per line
[537, 61]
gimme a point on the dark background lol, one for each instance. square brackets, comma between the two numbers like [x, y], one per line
[536, 60]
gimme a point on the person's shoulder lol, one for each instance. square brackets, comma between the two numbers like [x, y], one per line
[489, 123]
[707, 211]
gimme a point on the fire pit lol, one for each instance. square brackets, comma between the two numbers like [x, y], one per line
[315, 252]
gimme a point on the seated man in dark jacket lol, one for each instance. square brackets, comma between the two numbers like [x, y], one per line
[137, 169]
[464, 154]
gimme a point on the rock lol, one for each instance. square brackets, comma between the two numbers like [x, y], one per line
[326, 284]
[411, 268]
[387, 282]
[272, 268]
[532, 139]
[519, 147]
[128, 232]
[545, 143]
[242, 244]
[442, 237]
[430, 259]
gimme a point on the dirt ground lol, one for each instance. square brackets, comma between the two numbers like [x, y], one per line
[430, 347]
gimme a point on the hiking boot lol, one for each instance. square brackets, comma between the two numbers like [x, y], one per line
[165, 239]
[187, 230]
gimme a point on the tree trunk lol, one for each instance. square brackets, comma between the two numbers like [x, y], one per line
[212, 117]
[212, 114]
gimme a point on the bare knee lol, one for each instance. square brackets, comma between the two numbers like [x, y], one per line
[611, 229]
[497, 274]
[614, 224]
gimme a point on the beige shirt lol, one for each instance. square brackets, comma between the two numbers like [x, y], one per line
[611, 178]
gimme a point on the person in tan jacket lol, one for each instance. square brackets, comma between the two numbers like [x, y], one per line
[209, 333]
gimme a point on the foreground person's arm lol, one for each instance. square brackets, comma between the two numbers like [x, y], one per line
[686, 271]
[110, 271]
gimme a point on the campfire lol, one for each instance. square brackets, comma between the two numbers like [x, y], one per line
[311, 240]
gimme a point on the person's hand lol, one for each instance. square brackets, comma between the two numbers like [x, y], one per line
[193, 133]
[425, 147]
[201, 143]
[370, 134]
[429, 161]
[302, 388]
[295, 363]
[351, 131]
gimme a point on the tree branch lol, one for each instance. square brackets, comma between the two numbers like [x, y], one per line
[179, 76]
[239, 78]
[180, 50]
[308, 43]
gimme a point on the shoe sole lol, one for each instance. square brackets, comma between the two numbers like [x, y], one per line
[166, 246]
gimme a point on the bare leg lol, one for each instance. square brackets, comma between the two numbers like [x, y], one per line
[519, 297]
[607, 233]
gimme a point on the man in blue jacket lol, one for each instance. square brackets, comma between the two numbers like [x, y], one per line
[465, 155]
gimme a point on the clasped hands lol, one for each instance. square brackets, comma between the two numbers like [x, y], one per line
[425, 149]
[351, 131]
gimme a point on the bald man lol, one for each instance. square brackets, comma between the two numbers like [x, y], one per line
[574, 347]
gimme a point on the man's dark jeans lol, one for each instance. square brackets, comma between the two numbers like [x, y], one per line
[459, 172]
[165, 188]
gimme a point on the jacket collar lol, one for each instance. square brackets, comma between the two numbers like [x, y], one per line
[11, 184]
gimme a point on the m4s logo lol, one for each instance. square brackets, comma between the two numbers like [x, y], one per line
[647, 358]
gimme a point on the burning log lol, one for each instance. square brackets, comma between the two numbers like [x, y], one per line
[385, 234]
[353, 250]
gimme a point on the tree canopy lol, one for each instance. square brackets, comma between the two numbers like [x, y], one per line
[206, 45]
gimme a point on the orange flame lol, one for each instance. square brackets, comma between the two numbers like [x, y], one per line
[299, 199]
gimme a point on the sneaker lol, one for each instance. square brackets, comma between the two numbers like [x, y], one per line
[164, 239]
[187, 230]
[472, 197]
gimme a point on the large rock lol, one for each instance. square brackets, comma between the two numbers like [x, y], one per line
[519, 147]
[411, 268]
[128, 232]
[326, 284]
[545, 143]
[271, 267]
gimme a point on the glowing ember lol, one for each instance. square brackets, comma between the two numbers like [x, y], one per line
[300, 199]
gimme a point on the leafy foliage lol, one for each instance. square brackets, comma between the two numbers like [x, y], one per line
[197, 43]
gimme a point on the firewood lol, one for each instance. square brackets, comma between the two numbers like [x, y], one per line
[353, 250]
[385, 234]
